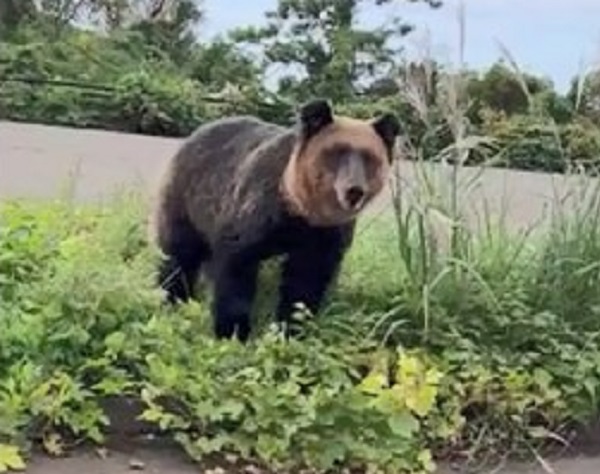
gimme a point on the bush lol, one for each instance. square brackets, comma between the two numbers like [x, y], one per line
[535, 143]
[121, 82]
[151, 104]
[117, 83]
[581, 143]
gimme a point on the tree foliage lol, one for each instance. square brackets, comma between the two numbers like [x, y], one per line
[502, 90]
[321, 42]
[13, 13]
[585, 95]
[171, 31]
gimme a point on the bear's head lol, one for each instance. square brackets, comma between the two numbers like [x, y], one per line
[338, 164]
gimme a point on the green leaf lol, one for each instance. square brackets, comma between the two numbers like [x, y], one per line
[233, 408]
[373, 383]
[426, 460]
[10, 458]
[403, 424]
[116, 341]
[332, 453]
[270, 447]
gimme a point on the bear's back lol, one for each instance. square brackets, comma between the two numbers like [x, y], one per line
[223, 143]
[227, 172]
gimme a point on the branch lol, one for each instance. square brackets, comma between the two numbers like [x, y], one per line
[157, 9]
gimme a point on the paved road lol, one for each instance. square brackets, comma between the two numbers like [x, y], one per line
[36, 160]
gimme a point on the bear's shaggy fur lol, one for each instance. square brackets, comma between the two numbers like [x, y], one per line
[241, 190]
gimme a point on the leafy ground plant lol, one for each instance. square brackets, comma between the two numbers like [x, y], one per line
[82, 321]
[398, 373]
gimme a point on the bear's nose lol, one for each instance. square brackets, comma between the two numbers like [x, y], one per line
[354, 195]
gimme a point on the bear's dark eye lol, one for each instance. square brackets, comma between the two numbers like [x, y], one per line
[335, 155]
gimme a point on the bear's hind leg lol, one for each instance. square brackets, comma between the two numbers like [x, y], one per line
[185, 251]
[234, 291]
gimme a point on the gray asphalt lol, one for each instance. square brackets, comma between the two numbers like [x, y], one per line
[36, 160]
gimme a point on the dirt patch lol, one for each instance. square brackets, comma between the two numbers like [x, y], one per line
[151, 460]
[134, 446]
[166, 459]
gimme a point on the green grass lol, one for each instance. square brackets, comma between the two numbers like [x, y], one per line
[488, 345]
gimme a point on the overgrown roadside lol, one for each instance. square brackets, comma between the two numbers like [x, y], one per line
[441, 342]
[488, 354]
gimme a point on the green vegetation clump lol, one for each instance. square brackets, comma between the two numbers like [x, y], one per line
[487, 347]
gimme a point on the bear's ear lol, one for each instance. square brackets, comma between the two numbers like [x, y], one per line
[387, 127]
[314, 116]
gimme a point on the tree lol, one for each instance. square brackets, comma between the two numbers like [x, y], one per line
[321, 40]
[13, 13]
[169, 27]
[501, 89]
[54, 16]
[219, 62]
[584, 95]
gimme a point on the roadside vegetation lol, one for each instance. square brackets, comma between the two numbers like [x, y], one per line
[448, 337]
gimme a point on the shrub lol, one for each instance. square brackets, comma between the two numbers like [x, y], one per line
[581, 143]
[527, 143]
[157, 105]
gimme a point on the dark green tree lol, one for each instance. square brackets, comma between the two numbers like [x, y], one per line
[325, 49]
[219, 62]
[500, 89]
[12, 15]
[584, 95]
[171, 30]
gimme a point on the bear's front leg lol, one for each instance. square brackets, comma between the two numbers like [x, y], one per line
[306, 277]
[234, 290]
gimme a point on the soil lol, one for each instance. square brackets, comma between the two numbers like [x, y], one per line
[163, 458]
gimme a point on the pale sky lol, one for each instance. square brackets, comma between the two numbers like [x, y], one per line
[548, 37]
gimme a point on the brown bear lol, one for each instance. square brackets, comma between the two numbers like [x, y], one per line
[241, 190]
